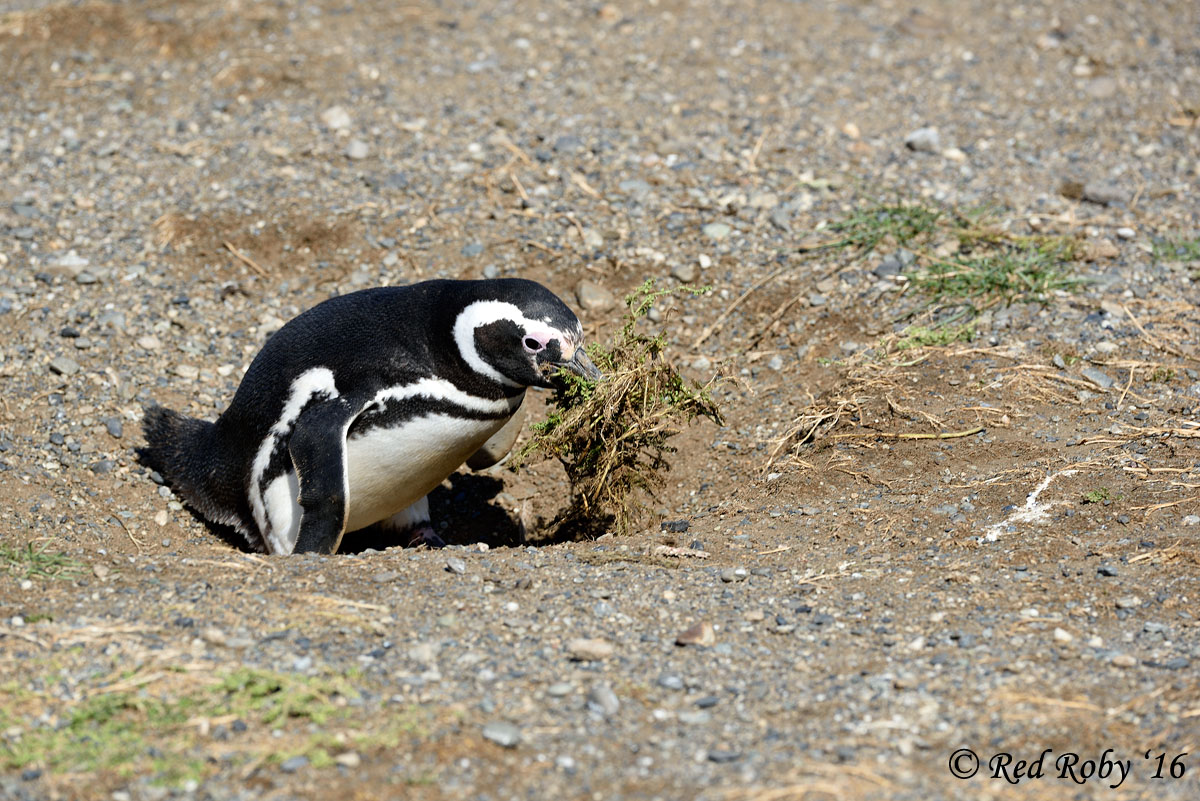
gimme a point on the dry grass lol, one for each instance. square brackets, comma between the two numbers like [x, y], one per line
[613, 435]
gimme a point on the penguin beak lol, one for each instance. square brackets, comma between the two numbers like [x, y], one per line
[582, 366]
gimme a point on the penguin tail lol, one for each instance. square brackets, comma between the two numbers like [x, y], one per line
[189, 456]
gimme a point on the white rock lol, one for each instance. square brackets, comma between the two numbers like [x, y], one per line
[924, 140]
[71, 262]
[336, 118]
[590, 650]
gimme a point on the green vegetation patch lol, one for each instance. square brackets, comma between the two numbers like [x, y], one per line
[1176, 248]
[1005, 274]
[962, 259]
[1099, 495]
[145, 724]
[922, 336]
[865, 228]
[613, 435]
[32, 561]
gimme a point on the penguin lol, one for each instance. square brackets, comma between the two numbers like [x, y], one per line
[356, 409]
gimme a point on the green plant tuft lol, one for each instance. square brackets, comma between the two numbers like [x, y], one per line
[866, 228]
[963, 258]
[920, 336]
[31, 561]
[1176, 248]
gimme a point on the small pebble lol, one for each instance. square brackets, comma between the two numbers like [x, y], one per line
[336, 118]
[357, 150]
[456, 565]
[685, 273]
[1097, 377]
[1123, 661]
[602, 700]
[502, 733]
[670, 682]
[293, 764]
[700, 634]
[717, 231]
[593, 297]
[924, 140]
[590, 650]
[64, 366]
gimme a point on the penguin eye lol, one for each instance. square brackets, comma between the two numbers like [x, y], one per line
[533, 345]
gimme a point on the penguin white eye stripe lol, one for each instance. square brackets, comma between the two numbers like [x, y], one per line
[482, 312]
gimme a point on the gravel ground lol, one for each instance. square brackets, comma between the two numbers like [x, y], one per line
[182, 178]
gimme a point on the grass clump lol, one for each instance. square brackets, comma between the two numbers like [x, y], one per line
[1099, 495]
[866, 228]
[31, 561]
[1005, 274]
[613, 435]
[1176, 248]
[962, 262]
[922, 336]
[129, 732]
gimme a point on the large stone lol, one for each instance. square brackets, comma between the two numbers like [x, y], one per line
[593, 297]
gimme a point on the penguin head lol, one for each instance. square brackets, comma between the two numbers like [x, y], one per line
[518, 333]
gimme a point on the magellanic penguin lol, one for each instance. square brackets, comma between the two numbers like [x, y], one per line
[353, 411]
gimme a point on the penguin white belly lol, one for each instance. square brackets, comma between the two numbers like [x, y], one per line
[390, 468]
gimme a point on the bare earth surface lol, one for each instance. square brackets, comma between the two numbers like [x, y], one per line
[180, 178]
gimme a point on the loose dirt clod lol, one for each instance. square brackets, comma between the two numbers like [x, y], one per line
[612, 435]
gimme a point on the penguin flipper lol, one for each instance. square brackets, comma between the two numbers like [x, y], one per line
[318, 450]
[496, 449]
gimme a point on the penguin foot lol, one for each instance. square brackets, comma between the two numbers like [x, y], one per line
[424, 535]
